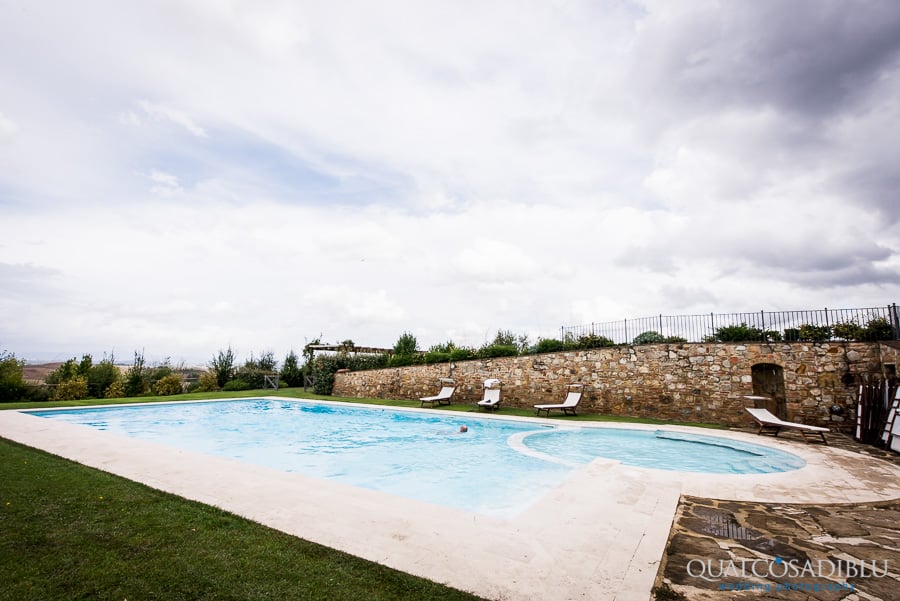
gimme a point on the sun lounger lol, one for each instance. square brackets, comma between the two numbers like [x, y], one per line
[491, 400]
[769, 424]
[448, 387]
[567, 406]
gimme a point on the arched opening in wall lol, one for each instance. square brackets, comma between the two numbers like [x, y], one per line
[768, 381]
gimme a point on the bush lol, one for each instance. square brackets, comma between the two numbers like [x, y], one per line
[813, 333]
[436, 357]
[291, 372]
[115, 390]
[739, 333]
[101, 376]
[223, 366]
[406, 344]
[12, 380]
[37, 394]
[549, 345]
[498, 350]
[168, 385]
[232, 385]
[462, 354]
[588, 341]
[207, 382]
[251, 375]
[71, 390]
[650, 337]
[878, 329]
[849, 330]
[403, 360]
[324, 367]
[63, 373]
[136, 383]
[791, 334]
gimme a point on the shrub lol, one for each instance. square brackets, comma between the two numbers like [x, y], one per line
[550, 345]
[849, 330]
[232, 385]
[813, 333]
[136, 382]
[207, 382]
[115, 390]
[588, 341]
[675, 340]
[325, 366]
[101, 376]
[462, 354]
[878, 329]
[12, 380]
[63, 373]
[498, 350]
[791, 334]
[406, 344]
[168, 385]
[650, 337]
[403, 360]
[739, 333]
[223, 366]
[290, 370]
[436, 357]
[251, 375]
[71, 390]
[38, 394]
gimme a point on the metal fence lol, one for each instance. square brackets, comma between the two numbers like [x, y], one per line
[815, 324]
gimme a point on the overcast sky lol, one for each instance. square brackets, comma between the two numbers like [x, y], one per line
[183, 176]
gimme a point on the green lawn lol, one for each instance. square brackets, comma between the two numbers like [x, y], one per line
[71, 532]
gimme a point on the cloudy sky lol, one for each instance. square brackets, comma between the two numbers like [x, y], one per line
[180, 176]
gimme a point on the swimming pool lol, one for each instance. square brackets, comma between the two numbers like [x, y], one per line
[498, 467]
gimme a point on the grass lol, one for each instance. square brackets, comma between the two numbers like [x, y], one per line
[71, 532]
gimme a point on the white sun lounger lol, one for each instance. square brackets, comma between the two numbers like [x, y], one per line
[448, 387]
[567, 406]
[491, 400]
[769, 424]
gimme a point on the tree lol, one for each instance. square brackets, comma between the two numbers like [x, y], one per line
[71, 390]
[135, 378]
[406, 345]
[101, 376]
[223, 366]
[291, 372]
[504, 338]
[12, 379]
[168, 385]
[63, 373]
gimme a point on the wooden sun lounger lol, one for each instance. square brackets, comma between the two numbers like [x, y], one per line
[769, 424]
[491, 400]
[568, 406]
[444, 397]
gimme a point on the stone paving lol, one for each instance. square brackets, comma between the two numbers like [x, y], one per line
[708, 535]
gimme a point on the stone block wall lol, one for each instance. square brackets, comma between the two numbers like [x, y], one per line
[689, 382]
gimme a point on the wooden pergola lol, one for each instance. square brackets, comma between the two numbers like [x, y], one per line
[334, 348]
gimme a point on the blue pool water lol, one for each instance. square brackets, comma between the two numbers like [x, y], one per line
[498, 467]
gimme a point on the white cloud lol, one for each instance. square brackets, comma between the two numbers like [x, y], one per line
[7, 127]
[158, 111]
[202, 174]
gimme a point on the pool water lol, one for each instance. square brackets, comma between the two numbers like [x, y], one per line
[498, 467]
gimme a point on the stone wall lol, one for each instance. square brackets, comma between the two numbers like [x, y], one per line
[689, 382]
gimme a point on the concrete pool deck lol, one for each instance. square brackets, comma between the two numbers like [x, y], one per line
[599, 535]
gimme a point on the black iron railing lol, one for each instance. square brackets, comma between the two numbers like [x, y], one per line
[872, 323]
